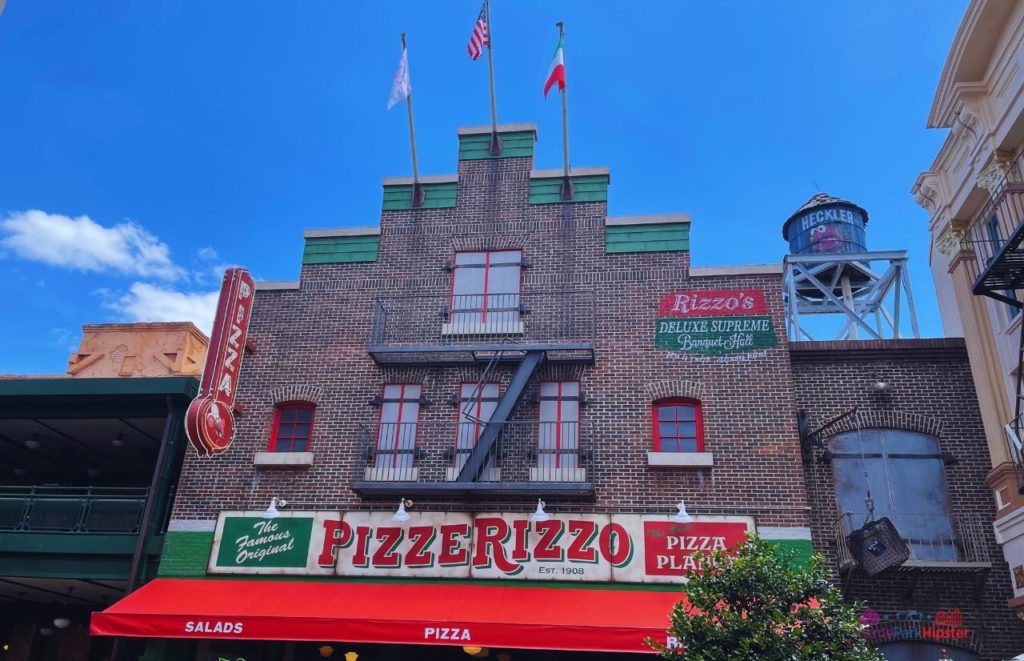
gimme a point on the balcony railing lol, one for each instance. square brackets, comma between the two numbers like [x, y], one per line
[469, 328]
[108, 510]
[935, 540]
[434, 453]
[995, 236]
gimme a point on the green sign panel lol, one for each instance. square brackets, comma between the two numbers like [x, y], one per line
[715, 336]
[253, 541]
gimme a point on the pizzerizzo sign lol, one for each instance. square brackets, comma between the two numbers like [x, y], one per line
[630, 548]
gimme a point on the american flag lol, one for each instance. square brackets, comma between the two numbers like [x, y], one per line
[480, 37]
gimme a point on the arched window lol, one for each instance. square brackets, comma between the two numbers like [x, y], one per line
[293, 427]
[678, 426]
[905, 474]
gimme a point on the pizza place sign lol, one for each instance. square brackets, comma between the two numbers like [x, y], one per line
[628, 548]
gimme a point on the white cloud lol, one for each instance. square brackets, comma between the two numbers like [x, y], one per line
[83, 244]
[65, 338]
[207, 254]
[146, 302]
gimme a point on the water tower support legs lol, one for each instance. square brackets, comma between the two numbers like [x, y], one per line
[851, 314]
[910, 299]
[851, 328]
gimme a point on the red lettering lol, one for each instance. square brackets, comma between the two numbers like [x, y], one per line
[521, 532]
[361, 557]
[453, 553]
[491, 533]
[385, 556]
[616, 545]
[580, 550]
[337, 534]
[547, 548]
[419, 555]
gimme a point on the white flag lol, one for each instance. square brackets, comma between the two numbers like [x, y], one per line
[401, 88]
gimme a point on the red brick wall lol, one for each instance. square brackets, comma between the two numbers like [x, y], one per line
[318, 336]
[930, 390]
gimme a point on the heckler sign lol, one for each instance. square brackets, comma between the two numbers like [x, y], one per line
[629, 548]
[714, 322]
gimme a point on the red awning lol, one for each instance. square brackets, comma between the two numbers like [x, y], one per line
[524, 617]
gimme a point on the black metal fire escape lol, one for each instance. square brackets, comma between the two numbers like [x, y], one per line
[486, 445]
[997, 238]
[539, 328]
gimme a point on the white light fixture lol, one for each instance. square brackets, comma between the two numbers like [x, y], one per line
[45, 631]
[62, 622]
[682, 516]
[401, 516]
[118, 441]
[271, 511]
[540, 514]
[880, 385]
[33, 443]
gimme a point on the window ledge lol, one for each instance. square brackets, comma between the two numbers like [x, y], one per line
[403, 474]
[490, 474]
[503, 328]
[283, 459]
[680, 459]
[558, 474]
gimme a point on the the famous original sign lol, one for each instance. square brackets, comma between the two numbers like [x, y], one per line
[210, 420]
[629, 548]
[714, 322]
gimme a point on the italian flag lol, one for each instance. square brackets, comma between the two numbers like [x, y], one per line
[556, 73]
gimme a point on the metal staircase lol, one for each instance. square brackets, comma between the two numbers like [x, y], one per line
[486, 444]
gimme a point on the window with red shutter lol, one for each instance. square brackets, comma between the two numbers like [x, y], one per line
[293, 427]
[678, 426]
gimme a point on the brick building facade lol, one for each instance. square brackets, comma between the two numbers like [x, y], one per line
[929, 391]
[591, 366]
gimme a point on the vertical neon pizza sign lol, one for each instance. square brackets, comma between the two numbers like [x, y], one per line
[210, 419]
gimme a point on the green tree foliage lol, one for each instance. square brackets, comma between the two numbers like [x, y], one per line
[754, 604]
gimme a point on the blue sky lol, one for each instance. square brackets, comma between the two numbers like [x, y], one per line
[148, 144]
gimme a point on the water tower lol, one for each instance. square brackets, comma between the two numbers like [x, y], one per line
[830, 271]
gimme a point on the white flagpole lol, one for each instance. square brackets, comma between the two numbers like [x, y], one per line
[495, 140]
[417, 189]
[567, 188]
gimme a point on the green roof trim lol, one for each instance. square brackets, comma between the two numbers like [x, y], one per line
[798, 551]
[662, 237]
[186, 554]
[341, 249]
[514, 144]
[435, 196]
[588, 188]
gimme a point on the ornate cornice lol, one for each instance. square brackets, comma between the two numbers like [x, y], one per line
[948, 242]
[993, 174]
[927, 192]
